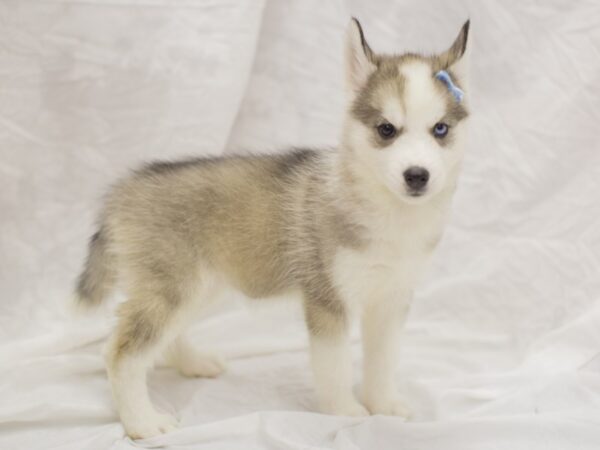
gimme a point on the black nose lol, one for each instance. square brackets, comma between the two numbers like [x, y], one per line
[416, 177]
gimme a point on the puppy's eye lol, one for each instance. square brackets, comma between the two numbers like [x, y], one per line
[440, 130]
[386, 130]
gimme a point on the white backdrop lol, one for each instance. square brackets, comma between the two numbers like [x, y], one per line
[502, 347]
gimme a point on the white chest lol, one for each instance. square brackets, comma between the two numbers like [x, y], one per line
[390, 265]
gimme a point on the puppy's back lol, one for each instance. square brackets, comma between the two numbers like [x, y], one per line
[234, 214]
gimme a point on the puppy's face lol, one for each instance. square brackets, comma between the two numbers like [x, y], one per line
[405, 125]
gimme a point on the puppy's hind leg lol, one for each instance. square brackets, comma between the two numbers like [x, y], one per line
[147, 323]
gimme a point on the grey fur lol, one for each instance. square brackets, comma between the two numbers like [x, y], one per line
[456, 50]
[265, 222]
[98, 276]
[365, 46]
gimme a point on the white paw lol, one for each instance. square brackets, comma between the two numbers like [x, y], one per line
[147, 425]
[348, 407]
[198, 364]
[388, 407]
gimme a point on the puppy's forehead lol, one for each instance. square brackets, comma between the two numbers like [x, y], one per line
[401, 90]
[422, 99]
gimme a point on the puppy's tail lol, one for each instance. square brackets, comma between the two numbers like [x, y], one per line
[98, 278]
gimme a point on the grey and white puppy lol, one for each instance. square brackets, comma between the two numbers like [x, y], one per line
[349, 229]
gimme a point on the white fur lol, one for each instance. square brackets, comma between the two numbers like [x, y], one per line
[130, 392]
[377, 282]
[393, 112]
[332, 368]
[128, 378]
[381, 326]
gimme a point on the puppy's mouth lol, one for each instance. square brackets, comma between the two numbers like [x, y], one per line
[416, 192]
[415, 196]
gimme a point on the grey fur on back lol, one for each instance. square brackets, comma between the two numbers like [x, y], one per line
[268, 223]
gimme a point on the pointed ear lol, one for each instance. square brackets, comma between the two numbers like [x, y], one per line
[456, 57]
[359, 57]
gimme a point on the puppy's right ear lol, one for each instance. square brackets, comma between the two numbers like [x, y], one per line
[359, 57]
[456, 58]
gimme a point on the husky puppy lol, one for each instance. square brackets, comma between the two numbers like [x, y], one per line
[349, 229]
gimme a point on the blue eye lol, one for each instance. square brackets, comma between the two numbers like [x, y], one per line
[440, 130]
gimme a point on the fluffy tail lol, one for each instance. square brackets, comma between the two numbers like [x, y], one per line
[97, 280]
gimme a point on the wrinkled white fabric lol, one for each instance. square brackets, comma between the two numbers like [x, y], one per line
[502, 345]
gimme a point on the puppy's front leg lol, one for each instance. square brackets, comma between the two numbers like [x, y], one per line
[381, 327]
[331, 360]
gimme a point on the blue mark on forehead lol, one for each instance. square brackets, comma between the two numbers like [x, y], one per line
[445, 78]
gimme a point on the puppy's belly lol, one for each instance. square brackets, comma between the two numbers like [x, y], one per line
[257, 280]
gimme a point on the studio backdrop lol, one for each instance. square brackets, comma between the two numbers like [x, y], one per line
[502, 345]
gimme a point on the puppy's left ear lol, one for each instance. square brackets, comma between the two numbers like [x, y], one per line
[456, 58]
[359, 57]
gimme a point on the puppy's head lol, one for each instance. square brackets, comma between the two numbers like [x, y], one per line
[404, 130]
